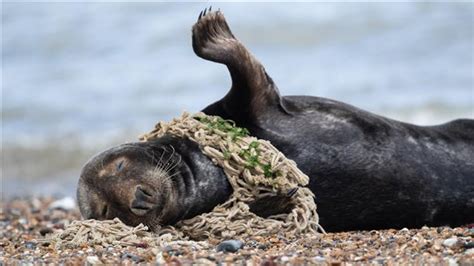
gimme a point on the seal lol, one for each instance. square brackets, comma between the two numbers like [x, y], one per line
[367, 171]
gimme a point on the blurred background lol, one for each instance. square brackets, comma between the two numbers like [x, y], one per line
[81, 77]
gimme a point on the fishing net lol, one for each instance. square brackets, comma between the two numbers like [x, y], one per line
[255, 169]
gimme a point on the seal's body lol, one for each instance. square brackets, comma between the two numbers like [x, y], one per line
[367, 171]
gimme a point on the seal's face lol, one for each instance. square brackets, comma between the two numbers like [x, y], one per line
[131, 182]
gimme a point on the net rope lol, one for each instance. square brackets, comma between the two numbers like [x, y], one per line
[254, 168]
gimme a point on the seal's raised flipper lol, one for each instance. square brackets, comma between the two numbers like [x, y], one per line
[253, 91]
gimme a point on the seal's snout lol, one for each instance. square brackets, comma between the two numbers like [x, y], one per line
[143, 201]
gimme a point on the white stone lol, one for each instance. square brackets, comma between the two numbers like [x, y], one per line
[469, 251]
[319, 259]
[450, 242]
[160, 260]
[66, 203]
[94, 260]
[452, 262]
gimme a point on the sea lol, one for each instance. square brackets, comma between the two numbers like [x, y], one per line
[78, 78]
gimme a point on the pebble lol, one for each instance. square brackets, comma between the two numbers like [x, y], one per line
[30, 245]
[133, 257]
[319, 259]
[450, 242]
[21, 232]
[66, 203]
[230, 246]
[452, 262]
[469, 245]
[45, 230]
[160, 259]
[171, 251]
[94, 260]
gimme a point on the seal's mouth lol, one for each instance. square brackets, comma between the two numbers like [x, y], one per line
[144, 201]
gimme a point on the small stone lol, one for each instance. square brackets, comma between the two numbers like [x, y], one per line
[469, 251]
[203, 261]
[171, 251]
[319, 259]
[30, 245]
[66, 203]
[404, 230]
[45, 230]
[469, 245]
[94, 260]
[133, 257]
[450, 242]
[268, 262]
[452, 262]
[142, 245]
[274, 240]
[230, 246]
[160, 259]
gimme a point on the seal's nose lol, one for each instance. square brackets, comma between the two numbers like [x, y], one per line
[143, 201]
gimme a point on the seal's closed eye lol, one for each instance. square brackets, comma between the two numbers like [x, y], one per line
[119, 165]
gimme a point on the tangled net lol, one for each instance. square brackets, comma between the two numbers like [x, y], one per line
[113, 233]
[255, 169]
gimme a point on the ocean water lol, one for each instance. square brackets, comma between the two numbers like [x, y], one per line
[80, 77]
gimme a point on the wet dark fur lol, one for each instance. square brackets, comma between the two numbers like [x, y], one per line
[367, 171]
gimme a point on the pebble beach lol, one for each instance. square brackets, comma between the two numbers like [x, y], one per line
[29, 224]
[78, 84]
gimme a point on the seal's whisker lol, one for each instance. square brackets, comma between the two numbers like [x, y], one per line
[169, 161]
[158, 169]
[164, 151]
[170, 176]
[159, 165]
[174, 164]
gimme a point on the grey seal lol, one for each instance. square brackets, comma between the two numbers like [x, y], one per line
[367, 171]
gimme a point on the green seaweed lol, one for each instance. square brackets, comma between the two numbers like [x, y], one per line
[251, 154]
[226, 126]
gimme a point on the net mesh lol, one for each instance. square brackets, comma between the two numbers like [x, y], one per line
[255, 169]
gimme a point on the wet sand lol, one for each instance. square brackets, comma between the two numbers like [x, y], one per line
[26, 223]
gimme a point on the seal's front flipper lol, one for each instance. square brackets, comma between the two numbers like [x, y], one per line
[253, 91]
[271, 205]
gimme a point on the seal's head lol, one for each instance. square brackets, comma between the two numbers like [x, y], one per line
[131, 182]
[155, 182]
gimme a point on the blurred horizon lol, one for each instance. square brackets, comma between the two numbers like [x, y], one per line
[81, 77]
